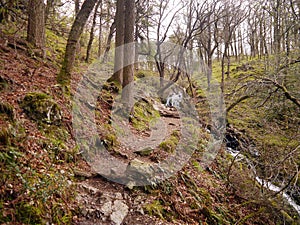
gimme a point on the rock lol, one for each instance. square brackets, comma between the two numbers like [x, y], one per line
[82, 174]
[139, 172]
[116, 209]
[139, 167]
[106, 209]
[120, 211]
[41, 107]
[144, 152]
[90, 189]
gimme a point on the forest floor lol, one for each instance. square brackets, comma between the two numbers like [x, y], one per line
[47, 162]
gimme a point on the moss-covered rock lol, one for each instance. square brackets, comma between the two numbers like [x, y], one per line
[143, 114]
[169, 145]
[42, 107]
[111, 87]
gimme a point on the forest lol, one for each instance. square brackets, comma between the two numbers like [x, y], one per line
[150, 112]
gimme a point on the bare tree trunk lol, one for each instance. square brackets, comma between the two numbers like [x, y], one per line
[228, 64]
[88, 50]
[119, 48]
[241, 46]
[129, 51]
[64, 77]
[136, 53]
[77, 7]
[49, 6]
[109, 39]
[223, 74]
[235, 51]
[100, 31]
[277, 37]
[36, 23]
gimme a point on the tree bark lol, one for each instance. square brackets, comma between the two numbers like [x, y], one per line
[77, 6]
[88, 50]
[129, 50]
[64, 77]
[119, 51]
[49, 7]
[108, 42]
[100, 31]
[36, 23]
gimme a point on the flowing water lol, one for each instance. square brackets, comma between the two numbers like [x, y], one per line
[262, 182]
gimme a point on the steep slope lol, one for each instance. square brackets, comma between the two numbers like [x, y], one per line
[44, 178]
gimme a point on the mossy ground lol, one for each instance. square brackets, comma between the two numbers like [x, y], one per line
[143, 115]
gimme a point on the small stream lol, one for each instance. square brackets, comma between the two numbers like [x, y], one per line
[268, 185]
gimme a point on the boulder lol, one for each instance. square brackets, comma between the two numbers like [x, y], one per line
[41, 107]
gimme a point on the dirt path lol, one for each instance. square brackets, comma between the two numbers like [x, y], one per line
[134, 142]
[104, 202]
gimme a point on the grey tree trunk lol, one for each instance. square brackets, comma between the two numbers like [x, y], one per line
[88, 50]
[64, 77]
[119, 51]
[108, 42]
[100, 31]
[129, 52]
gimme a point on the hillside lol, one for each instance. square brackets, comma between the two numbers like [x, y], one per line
[46, 180]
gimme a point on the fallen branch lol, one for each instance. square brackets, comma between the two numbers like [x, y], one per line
[237, 102]
[285, 91]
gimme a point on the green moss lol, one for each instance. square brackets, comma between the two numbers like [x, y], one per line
[7, 109]
[41, 107]
[145, 73]
[143, 115]
[54, 132]
[197, 165]
[110, 140]
[170, 144]
[28, 214]
[110, 87]
[56, 45]
[155, 209]
[44, 186]
[57, 137]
